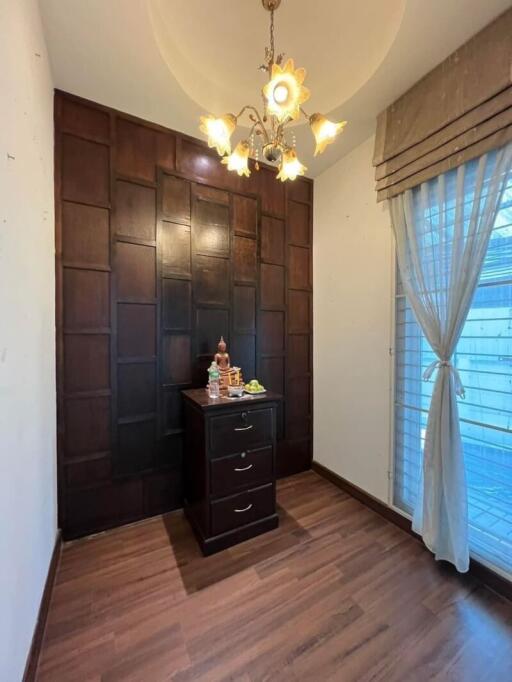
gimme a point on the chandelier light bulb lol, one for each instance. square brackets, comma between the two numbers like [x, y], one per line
[280, 94]
[219, 131]
[290, 167]
[239, 160]
[324, 131]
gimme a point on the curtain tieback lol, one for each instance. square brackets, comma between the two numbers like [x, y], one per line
[437, 364]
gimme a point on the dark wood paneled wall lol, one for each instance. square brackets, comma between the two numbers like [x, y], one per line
[159, 251]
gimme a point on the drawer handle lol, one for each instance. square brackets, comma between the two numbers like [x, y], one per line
[238, 511]
[243, 468]
[244, 428]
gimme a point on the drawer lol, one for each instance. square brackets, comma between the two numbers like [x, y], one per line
[244, 470]
[241, 431]
[238, 510]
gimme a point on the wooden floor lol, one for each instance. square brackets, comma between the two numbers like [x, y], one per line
[336, 593]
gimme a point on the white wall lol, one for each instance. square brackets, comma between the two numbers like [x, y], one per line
[28, 508]
[352, 309]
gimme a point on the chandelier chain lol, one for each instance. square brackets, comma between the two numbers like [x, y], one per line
[272, 45]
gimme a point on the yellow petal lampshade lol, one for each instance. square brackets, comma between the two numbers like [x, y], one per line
[239, 160]
[219, 131]
[290, 166]
[324, 131]
[284, 93]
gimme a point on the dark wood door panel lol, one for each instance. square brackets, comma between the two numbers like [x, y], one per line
[86, 362]
[272, 278]
[135, 211]
[245, 216]
[211, 280]
[160, 251]
[244, 259]
[87, 425]
[244, 309]
[85, 171]
[273, 233]
[86, 300]
[211, 324]
[136, 330]
[136, 272]
[176, 304]
[175, 199]
[85, 235]
[84, 121]
[211, 228]
[175, 249]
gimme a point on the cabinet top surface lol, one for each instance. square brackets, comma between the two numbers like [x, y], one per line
[200, 398]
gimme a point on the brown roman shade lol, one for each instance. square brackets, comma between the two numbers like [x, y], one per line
[458, 111]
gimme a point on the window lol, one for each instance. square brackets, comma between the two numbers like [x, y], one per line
[484, 360]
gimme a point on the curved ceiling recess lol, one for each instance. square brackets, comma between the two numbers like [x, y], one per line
[214, 49]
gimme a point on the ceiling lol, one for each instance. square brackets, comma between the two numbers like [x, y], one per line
[169, 61]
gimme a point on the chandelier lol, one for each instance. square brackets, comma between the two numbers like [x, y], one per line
[283, 97]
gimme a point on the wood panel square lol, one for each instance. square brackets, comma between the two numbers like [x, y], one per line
[176, 359]
[85, 235]
[244, 309]
[271, 286]
[298, 268]
[136, 389]
[210, 228]
[86, 362]
[88, 472]
[243, 355]
[136, 447]
[176, 199]
[135, 271]
[271, 332]
[245, 216]
[211, 324]
[300, 189]
[272, 374]
[173, 410]
[272, 192]
[298, 312]
[175, 249]
[85, 171]
[298, 224]
[165, 150]
[217, 196]
[298, 355]
[176, 304]
[87, 426]
[298, 428]
[272, 240]
[135, 150]
[135, 211]
[244, 259]
[298, 402]
[86, 299]
[136, 330]
[83, 120]
[211, 280]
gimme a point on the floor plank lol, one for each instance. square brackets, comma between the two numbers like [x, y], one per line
[335, 593]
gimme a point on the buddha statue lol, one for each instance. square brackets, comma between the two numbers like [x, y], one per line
[229, 376]
[221, 356]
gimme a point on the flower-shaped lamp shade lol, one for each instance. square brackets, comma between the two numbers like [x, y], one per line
[219, 131]
[290, 167]
[239, 160]
[324, 131]
[284, 93]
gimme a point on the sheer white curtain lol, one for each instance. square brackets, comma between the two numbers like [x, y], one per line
[442, 229]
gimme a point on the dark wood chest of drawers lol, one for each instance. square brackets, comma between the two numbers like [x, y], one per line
[230, 491]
